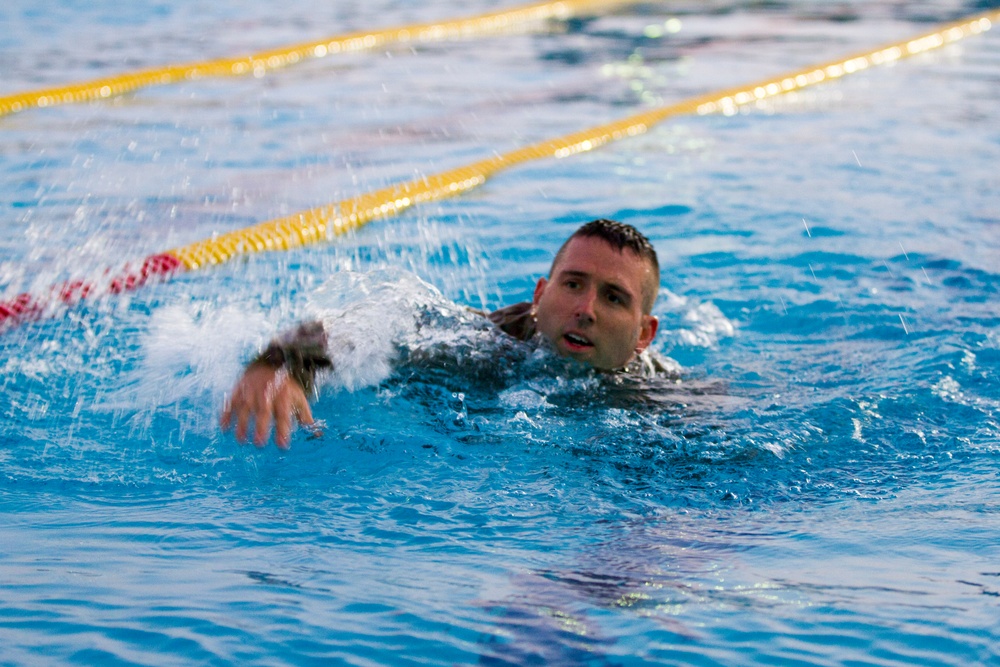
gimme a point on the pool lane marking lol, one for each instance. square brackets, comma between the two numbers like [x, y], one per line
[258, 64]
[324, 222]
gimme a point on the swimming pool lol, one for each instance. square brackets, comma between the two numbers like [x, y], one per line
[825, 493]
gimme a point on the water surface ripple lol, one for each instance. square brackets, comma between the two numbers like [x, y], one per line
[820, 488]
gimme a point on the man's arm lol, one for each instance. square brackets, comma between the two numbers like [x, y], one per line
[274, 386]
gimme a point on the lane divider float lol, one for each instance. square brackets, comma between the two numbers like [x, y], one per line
[323, 223]
[258, 64]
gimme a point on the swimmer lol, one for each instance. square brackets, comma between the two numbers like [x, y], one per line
[595, 307]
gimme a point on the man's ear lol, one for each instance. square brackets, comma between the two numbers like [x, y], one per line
[647, 332]
[539, 288]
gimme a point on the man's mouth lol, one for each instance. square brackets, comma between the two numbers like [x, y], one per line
[576, 341]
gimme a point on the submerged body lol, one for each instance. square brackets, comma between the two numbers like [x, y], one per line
[595, 308]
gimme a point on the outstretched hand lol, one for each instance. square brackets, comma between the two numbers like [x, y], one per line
[268, 395]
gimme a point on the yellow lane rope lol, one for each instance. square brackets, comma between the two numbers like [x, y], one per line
[322, 223]
[258, 64]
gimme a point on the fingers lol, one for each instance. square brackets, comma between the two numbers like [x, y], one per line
[239, 404]
[268, 396]
[291, 400]
[262, 421]
[303, 411]
[242, 422]
[283, 417]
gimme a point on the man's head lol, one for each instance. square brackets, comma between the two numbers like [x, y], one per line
[595, 305]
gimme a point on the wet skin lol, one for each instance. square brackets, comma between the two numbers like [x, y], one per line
[264, 393]
[591, 307]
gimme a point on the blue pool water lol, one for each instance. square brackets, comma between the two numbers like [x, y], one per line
[822, 488]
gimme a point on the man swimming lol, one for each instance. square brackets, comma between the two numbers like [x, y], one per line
[595, 307]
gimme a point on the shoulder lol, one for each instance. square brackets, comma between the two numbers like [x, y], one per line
[649, 364]
[516, 320]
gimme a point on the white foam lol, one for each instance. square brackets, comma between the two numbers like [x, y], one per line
[370, 316]
[948, 389]
[706, 324]
[523, 399]
[192, 350]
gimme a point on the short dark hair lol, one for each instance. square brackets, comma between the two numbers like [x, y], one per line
[620, 235]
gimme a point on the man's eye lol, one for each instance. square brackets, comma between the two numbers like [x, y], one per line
[572, 284]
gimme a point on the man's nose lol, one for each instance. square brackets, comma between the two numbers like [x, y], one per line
[585, 306]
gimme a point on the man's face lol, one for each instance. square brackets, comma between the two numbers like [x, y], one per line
[590, 308]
